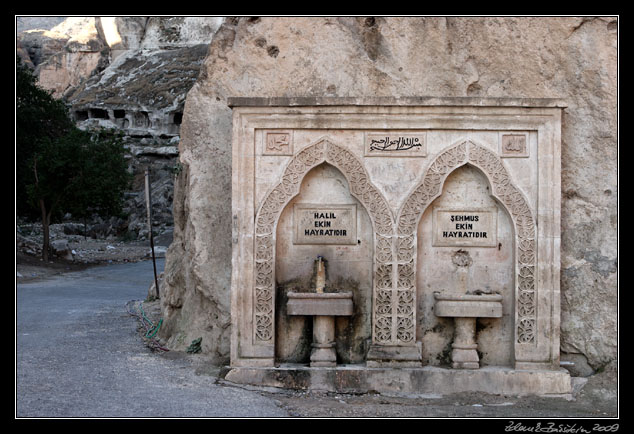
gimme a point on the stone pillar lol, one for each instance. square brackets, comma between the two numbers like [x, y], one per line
[464, 354]
[323, 353]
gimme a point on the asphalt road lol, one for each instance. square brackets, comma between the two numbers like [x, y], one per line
[78, 354]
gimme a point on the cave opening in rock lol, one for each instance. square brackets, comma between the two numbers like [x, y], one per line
[81, 115]
[96, 113]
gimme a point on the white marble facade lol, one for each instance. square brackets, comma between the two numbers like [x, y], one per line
[452, 195]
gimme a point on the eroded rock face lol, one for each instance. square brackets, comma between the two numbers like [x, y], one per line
[64, 55]
[573, 59]
[142, 92]
[153, 62]
[127, 73]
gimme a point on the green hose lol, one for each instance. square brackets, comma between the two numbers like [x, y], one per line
[153, 330]
[135, 308]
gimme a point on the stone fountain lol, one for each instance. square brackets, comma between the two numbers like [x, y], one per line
[465, 306]
[405, 196]
[323, 307]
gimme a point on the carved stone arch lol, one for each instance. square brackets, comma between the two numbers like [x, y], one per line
[323, 151]
[429, 188]
[511, 197]
[507, 194]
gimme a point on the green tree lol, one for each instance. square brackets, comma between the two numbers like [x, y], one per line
[60, 168]
[38, 116]
[104, 177]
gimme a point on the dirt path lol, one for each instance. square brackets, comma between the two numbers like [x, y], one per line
[87, 252]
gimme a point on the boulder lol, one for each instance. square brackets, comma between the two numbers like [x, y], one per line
[61, 249]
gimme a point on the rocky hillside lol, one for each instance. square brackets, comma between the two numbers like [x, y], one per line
[128, 73]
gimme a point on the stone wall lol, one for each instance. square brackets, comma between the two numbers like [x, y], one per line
[573, 59]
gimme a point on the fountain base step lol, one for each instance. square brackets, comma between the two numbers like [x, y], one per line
[422, 381]
[323, 354]
[465, 357]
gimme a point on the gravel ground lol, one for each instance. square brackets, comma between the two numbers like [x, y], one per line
[596, 399]
[85, 252]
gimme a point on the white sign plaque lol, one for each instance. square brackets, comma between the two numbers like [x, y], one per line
[465, 227]
[325, 224]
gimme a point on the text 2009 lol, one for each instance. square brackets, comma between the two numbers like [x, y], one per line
[606, 428]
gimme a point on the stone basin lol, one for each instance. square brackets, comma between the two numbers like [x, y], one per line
[465, 309]
[323, 307]
[468, 306]
[319, 303]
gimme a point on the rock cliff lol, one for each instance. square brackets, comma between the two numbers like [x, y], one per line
[127, 73]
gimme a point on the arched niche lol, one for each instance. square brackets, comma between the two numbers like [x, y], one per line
[509, 197]
[460, 266]
[349, 268]
[268, 215]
